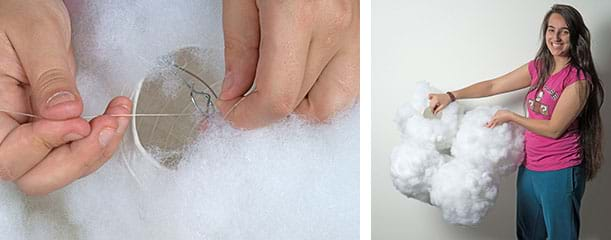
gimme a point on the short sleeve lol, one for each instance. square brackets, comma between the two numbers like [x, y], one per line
[532, 70]
[575, 76]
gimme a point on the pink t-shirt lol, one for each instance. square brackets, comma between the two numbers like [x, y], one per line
[543, 153]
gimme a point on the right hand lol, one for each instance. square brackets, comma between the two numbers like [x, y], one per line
[37, 75]
[303, 57]
[438, 101]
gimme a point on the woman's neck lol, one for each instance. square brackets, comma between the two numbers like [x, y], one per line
[560, 63]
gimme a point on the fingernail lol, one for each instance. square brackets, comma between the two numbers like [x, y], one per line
[72, 137]
[123, 122]
[126, 108]
[60, 97]
[106, 135]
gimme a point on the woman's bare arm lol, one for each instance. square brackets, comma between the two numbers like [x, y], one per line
[514, 80]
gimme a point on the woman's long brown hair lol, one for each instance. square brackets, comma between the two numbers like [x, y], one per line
[590, 124]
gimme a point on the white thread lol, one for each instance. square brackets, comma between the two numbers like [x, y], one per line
[112, 115]
[234, 107]
[19, 113]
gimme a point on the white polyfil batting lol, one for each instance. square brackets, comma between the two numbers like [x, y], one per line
[453, 161]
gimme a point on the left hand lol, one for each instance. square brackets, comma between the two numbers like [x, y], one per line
[500, 117]
[302, 55]
[37, 76]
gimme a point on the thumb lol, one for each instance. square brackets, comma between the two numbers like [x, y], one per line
[54, 94]
[43, 44]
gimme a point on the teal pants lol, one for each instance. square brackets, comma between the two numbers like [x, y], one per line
[548, 203]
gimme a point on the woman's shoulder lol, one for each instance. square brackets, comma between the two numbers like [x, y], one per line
[533, 70]
[575, 74]
[532, 64]
[578, 74]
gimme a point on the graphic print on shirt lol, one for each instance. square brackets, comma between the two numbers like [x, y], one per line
[536, 105]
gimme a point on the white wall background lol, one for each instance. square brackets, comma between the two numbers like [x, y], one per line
[453, 44]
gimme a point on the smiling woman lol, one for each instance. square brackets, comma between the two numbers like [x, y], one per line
[557, 35]
[563, 126]
[457, 44]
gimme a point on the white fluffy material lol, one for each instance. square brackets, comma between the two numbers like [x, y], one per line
[12, 212]
[455, 162]
[463, 192]
[440, 132]
[292, 180]
[413, 177]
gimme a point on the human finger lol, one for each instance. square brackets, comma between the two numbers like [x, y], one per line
[437, 108]
[285, 36]
[42, 42]
[433, 103]
[79, 158]
[26, 145]
[118, 106]
[491, 123]
[241, 36]
[439, 105]
[336, 88]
